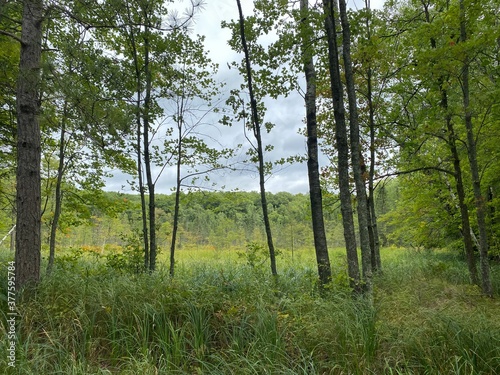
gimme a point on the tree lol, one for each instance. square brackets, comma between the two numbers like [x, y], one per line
[373, 73]
[443, 83]
[358, 165]
[187, 149]
[84, 104]
[315, 194]
[256, 128]
[342, 142]
[472, 153]
[28, 232]
[436, 79]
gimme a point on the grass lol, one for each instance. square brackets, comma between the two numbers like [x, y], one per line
[221, 316]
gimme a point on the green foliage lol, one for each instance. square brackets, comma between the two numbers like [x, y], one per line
[255, 254]
[425, 58]
[69, 260]
[131, 258]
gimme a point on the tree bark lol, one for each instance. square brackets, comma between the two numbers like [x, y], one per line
[358, 165]
[467, 233]
[28, 199]
[147, 156]
[144, 214]
[260, 154]
[476, 181]
[342, 145]
[315, 195]
[175, 225]
[372, 215]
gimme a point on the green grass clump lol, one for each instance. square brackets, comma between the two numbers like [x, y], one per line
[222, 315]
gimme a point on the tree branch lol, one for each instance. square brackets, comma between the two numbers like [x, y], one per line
[10, 35]
[397, 173]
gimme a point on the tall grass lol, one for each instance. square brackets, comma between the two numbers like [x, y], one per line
[222, 316]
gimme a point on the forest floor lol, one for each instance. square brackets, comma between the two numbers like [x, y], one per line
[223, 313]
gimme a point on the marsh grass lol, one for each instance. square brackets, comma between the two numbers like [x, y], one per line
[220, 315]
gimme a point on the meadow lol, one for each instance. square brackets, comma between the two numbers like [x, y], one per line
[223, 313]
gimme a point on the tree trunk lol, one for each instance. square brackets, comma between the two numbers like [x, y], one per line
[462, 206]
[140, 142]
[476, 182]
[260, 154]
[315, 196]
[175, 227]
[144, 213]
[342, 145]
[147, 156]
[358, 165]
[139, 90]
[372, 215]
[28, 199]
[58, 194]
[464, 211]
[177, 202]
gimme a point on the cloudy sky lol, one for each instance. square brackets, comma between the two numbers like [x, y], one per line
[287, 113]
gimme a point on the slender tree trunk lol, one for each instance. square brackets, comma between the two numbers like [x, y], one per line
[462, 206]
[342, 145]
[139, 135]
[464, 211]
[144, 210]
[358, 164]
[175, 228]
[177, 202]
[147, 156]
[315, 196]
[372, 215]
[28, 199]
[58, 194]
[144, 213]
[476, 181]
[260, 154]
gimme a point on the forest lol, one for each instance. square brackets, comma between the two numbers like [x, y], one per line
[386, 263]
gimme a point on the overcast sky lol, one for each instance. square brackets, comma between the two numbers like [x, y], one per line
[287, 114]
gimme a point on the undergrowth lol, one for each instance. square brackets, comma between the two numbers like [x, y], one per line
[231, 317]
